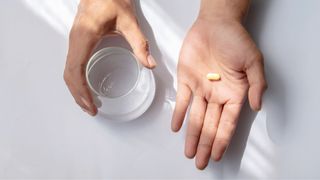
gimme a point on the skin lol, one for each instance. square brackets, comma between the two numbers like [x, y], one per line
[94, 20]
[217, 42]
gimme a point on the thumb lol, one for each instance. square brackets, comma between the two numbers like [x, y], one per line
[257, 82]
[139, 44]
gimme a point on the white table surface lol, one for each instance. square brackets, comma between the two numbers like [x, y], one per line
[43, 134]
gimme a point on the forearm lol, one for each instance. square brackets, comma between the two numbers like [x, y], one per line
[226, 9]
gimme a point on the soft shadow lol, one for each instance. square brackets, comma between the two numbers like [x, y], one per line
[276, 105]
[257, 18]
[164, 79]
[232, 159]
[275, 97]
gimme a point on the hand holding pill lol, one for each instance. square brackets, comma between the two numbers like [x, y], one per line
[215, 45]
[219, 67]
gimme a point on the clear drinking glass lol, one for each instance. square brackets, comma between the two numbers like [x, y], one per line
[122, 87]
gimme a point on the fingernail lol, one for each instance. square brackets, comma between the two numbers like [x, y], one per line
[85, 102]
[215, 156]
[90, 113]
[219, 154]
[87, 111]
[258, 108]
[84, 110]
[151, 61]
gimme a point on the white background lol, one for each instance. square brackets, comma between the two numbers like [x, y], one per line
[43, 134]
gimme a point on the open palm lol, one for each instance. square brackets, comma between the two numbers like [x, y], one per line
[224, 47]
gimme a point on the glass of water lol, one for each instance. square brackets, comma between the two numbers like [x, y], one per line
[122, 87]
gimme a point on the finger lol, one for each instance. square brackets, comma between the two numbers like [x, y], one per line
[81, 44]
[197, 112]
[86, 97]
[257, 82]
[182, 103]
[208, 133]
[79, 99]
[226, 128]
[138, 43]
[84, 106]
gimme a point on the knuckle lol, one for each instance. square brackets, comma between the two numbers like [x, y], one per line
[193, 135]
[75, 70]
[205, 145]
[182, 98]
[74, 75]
[67, 77]
[127, 21]
[141, 46]
[126, 4]
[85, 28]
[228, 127]
[205, 140]
[211, 128]
[256, 59]
[221, 141]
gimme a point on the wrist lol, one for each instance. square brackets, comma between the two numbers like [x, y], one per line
[232, 10]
